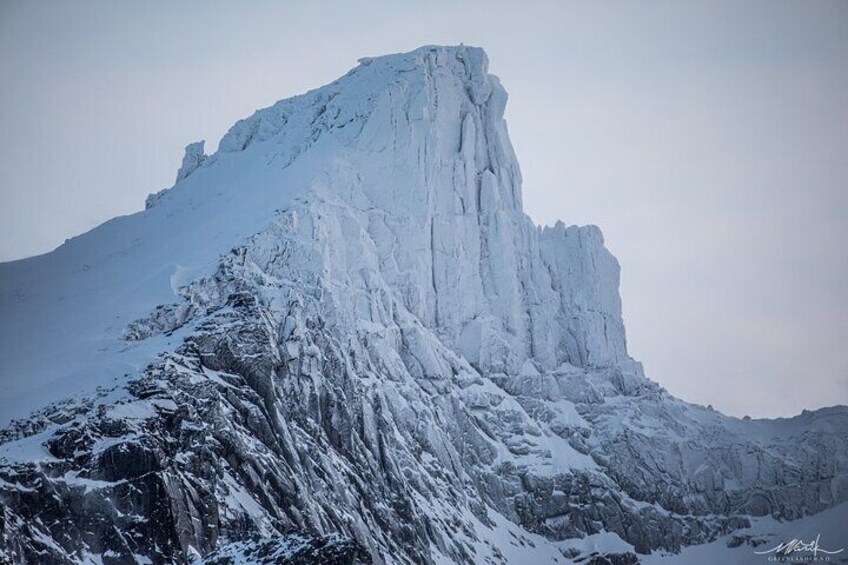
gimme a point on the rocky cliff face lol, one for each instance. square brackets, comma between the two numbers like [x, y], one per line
[366, 349]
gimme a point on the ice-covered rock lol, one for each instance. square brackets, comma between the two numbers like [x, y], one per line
[293, 549]
[343, 324]
[193, 158]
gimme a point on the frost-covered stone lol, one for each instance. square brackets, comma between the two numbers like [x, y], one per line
[194, 157]
[346, 327]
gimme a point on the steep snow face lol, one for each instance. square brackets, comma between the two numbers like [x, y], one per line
[342, 325]
[423, 200]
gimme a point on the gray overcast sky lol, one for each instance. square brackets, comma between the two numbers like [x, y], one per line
[709, 140]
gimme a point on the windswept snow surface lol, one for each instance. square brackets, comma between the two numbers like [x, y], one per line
[342, 323]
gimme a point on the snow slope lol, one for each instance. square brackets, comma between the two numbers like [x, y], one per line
[342, 326]
[751, 546]
[64, 313]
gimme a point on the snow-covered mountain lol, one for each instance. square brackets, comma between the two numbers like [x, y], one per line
[339, 339]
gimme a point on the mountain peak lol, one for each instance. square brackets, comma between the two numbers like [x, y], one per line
[409, 80]
[413, 149]
[341, 335]
[469, 64]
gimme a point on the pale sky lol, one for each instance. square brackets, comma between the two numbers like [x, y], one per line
[708, 140]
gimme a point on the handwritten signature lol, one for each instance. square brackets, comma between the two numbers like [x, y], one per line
[797, 545]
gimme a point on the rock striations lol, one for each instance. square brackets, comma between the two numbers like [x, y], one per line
[339, 339]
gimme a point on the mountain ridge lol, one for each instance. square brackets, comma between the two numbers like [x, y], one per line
[342, 323]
